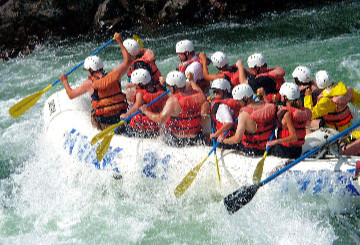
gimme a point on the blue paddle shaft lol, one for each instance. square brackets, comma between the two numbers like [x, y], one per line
[336, 137]
[150, 104]
[217, 143]
[82, 62]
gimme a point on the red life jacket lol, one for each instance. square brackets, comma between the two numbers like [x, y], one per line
[277, 74]
[141, 121]
[148, 57]
[108, 99]
[343, 115]
[182, 65]
[232, 75]
[300, 117]
[264, 118]
[234, 106]
[188, 122]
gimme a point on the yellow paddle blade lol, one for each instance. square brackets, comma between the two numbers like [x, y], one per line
[259, 169]
[106, 132]
[217, 170]
[188, 179]
[25, 104]
[137, 39]
[103, 147]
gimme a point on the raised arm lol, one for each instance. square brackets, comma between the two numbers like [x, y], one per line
[123, 67]
[207, 76]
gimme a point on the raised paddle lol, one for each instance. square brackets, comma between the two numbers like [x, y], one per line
[189, 178]
[25, 104]
[245, 194]
[109, 132]
[216, 160]
[260, 166]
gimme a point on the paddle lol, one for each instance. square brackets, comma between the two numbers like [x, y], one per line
[25, 104]
[245, 194]
[216, 160]
[109, 132]
[189, 178]
[260, 166]
[138, 40]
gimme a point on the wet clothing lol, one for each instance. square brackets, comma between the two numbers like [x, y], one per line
[108, 100]
[332, 106]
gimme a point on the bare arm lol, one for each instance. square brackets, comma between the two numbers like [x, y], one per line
[170, 109]
[124, 66]
[240, 130]
[76, 92]
[242, 75]
[288, 123]
[138, 102]
[207, 76]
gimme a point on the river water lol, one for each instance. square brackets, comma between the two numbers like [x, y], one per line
[38, 206]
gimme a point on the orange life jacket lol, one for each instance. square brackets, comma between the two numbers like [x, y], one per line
[343, 115]
[141, 121]
[264, 118]
[300, 117]
[188, 122]
[108, 99]
[234, 106]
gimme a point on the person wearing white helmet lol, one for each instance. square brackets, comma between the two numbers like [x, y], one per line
[225, 71]
[141, 58]
[186, 53]
[196, 69]
[258, 76]
[303, 78]
[141, 125]
[332, 105]
[182, 111]
[108, 100]
[255, 122]
[265, 86]
[292, 120]
[224, 109]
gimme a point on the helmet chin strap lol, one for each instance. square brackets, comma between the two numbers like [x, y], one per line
[246, 101]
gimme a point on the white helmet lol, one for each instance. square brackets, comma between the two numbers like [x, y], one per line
[176, 78]
[132, 47]
[303, 74]
[140, 76]
[196, 69]
[241, 91]
[222, 84]
[93, 62]
[219, 59]
[290, 90]
[183, 46]
[256, 59]
[323, 79]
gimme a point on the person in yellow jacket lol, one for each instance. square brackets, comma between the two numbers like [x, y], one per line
[332, 107]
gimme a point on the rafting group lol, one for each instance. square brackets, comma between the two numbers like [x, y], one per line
[243, 107]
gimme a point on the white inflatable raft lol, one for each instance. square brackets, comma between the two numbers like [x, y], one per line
[68, 127]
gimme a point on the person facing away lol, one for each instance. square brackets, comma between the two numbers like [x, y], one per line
[255, 122]
[181, 113]
[146, 92]
[108, 101]
[291, 122]
[225, 71]
[141, 58]
[224, 109]
[259, 75]
[264, 86]
[332, 107]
